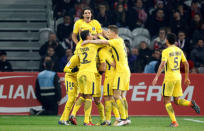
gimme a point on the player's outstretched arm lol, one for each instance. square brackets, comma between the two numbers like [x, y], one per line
[104, 42]
[161, 67]
[187, 80]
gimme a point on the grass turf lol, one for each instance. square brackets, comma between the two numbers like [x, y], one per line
[50, 123]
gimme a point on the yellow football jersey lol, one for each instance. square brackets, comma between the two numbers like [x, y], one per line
[93, 26]
[173, 56]
[105, 55]
[73, 62]
[120, 54]
[88, 57]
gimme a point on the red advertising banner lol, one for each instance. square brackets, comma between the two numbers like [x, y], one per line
[17, 95]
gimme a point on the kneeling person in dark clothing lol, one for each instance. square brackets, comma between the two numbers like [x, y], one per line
[48, 91]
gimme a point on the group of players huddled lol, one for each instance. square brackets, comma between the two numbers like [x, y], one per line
[97, 52]
[103, 51]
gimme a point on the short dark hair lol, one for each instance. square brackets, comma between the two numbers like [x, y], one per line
[3, 53]
[171, 37]
[84, 34]
[113, 28]
[87, 8]
[49, 64]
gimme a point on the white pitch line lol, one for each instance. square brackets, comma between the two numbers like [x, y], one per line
[198, 121]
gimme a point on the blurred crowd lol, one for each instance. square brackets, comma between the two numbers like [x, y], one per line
[182, 17]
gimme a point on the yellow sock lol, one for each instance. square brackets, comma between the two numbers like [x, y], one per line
[183, 102]
[126, 106]
[90, 118]
[67, 109]
[115, 109]
[108, 108]
[87, 110]
[170, 111]
[77, 106]
[121, 109]
[100, 108]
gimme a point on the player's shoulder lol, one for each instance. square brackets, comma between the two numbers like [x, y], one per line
[79, 21]
[178, 49]
[166, 49]
[95, 21]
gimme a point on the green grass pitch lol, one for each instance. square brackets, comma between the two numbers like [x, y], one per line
[50, 123]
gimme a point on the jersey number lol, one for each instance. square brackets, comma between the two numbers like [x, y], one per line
[70, 85]
[175, 62]
[84, 59]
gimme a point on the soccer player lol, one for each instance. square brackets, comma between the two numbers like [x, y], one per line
[86, 75]
[71, 87]
[122, 75]
[171, 58]
[86, 23]
[105, 56]
[96, 97]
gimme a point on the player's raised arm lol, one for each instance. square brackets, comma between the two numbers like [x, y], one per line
[105, 42]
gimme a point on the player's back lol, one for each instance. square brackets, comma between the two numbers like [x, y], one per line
[120, 54]
[87, 55]
[174, 56]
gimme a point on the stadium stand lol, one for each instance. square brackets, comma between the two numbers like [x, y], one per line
[141, 32]
[20, 21]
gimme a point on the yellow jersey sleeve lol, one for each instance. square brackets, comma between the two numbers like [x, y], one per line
[101, 57]
[183, 58]
[98, 27]
[73, 62]
[77, 26]
[164, 55]
[101, 37]
[112, 42]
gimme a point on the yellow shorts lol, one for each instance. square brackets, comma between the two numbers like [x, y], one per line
[108, 85]
[98, 79]
[71, 86]
[121, 81]
[172, 88]
[86, 83]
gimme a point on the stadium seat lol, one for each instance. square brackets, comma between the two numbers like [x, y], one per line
[44, 32]
[125, 32]
[188, 3]
[58, 21]
[138, 39]
[127, 38]
[104, 28]
[141, 32]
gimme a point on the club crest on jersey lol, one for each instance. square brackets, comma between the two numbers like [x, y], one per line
[93, 28]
